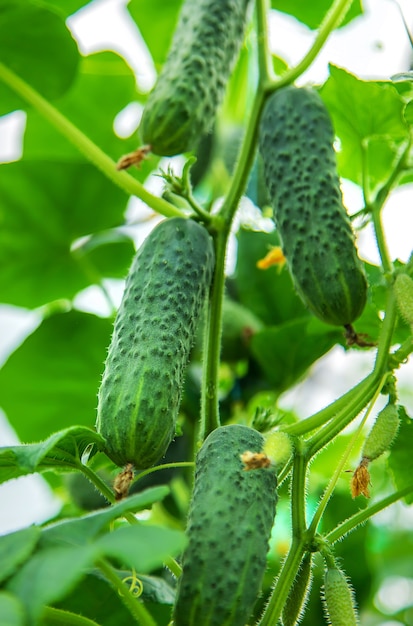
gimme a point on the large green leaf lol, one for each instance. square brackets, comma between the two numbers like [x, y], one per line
[104, 86]
[312, 13]
[62, 451]
[68, 7]
[11, 610]
[286, 351]
[15, 548]
[44, 208]
[53, 377]
[36, 44]
[156, 20]
[143, 548]
[401, 457]
[80, 531]
[268, 293]
[368, 119]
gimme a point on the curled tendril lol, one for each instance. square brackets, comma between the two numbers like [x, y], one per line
[136, 585]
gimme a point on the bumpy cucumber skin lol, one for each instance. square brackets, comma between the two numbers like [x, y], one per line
[182, 106]
[296, 143]
[154, 330]
[229, 525]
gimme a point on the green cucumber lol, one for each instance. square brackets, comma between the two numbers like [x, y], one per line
[154, 330]
[339, 599]
[382, 433]
[229, 525]
[296, 144]
[183, 104]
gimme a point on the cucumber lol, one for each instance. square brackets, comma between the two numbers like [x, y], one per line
[296, 144]
[154, 330]
[229, 525]
[183, 104]
[339, 599]
[382, 433]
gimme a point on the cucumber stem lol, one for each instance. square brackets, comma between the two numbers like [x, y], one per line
[85, 145]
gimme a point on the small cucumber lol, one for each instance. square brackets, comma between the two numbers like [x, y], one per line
[296, 144]
[382, 433]
[403, 290]
[294, 607]
[183, 104]
[230, 520]
[155, 328]
[339, 599]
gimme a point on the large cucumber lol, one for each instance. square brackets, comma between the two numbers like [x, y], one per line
[296, 143]
[229, 525]
[154, 331]
[183, 104]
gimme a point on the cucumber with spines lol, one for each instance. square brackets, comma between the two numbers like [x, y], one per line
[155, 327]
[296, 144]
[229, 525]
[183, 104]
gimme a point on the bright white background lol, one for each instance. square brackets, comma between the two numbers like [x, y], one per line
[373, 46]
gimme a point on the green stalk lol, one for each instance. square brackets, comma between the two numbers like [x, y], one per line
[138, 611]
[340, 466]
[298, 492]
[96, 480]
[58, 617]
[89, 149]
[332, 20]
[265, 65]
[283, 584]
[362, 516]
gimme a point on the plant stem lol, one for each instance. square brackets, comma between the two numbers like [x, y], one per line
[157, 468]
[58, 617]
[138, 611]
[85, 145]
[362, 516]
[283, 584]
[96, 480]
[265, 66]
[339, 468]
[298, 492]
[331, 20]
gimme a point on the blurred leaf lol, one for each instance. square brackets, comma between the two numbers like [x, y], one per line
[44, 207]
[80, 531]
[235, 105]
[104, 86]
[267, 293]
[68, 7]
[286, 351]
[109, 252]
[401, 458]
[15, 548]
[54, 376]
[156, 21]
[370, 135]
[11, 610]
[312, 13]
[143, 548]
[49, 575]
[36, 44]
[61, 451]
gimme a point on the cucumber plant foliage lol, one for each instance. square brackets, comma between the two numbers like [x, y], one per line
[187, 492]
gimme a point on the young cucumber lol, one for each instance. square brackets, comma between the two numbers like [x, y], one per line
[230, 520]
[182, 106]
[296, 144]
[339, 599]
[154, 331]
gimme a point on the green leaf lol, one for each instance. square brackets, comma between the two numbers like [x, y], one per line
[80, 531]
[143, 548]
[15, 548]
[286, 351]
[370, 135]
[11, 610]
[156, 20]
[25, 27]
[69, 6]
[312, 13]
[401, 458]
[109, 252]
[54, 376]
[61, 451]
[267, 293]
[41, 219]
[49, 575]
[104, 86]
